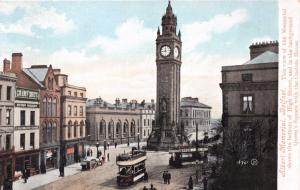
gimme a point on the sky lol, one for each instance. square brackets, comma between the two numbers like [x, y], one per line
[109, 46]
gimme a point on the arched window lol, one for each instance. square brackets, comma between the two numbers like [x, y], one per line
[69, 129]
[132, 128]
[110, 129]
[45, 106]
[103, 128]
[75, 129]
[54, 106]
[50, 106]
[49, 132]
[118, 128]
[81, 128]
[54, 132]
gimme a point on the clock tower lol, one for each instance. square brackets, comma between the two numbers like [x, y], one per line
[168, 62]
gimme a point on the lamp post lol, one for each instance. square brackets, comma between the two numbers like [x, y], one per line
[138, 140]
[97, 146]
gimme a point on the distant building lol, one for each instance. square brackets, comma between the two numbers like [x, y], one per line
[7, 101]
[73, 119]
[121, 122]
[193, 112]
[250, 101]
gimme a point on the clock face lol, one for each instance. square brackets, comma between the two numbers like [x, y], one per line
[165, 51]
[176, 52]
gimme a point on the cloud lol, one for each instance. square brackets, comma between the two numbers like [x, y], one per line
[129, 35]
[35, 16]
[200, 32]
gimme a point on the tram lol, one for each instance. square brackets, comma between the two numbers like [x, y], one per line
[132, 167]
[181, 156]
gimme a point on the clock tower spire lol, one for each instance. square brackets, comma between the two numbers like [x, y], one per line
[167, 128]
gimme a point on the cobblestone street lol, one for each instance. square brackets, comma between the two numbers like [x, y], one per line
[104, 177]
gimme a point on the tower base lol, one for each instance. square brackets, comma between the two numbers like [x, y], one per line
[163, 140]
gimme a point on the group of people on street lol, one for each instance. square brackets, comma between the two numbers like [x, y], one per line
[151, 187]
[167, 177]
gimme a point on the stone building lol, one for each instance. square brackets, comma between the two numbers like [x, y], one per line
[168, 62]
[26, 129]
[147, 117]
[44, 77]
[7, 101]
[250, 101]
[121, 122]
[193, 112]
[73, 119]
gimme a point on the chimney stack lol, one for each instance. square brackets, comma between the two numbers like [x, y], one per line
[17, 64]
[6, 65]
[258, 48]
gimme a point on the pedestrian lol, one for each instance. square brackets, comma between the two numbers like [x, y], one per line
[100, 154]
[107, 145]
[168, 177]
[191, 185]
[103, 159]
[108, 156]
[146, 176]
[116, 144]
[24, 175]
[145, 188]
[205, 183]
[61, 170]
[165, 177]
[91, 153]
[88, 152]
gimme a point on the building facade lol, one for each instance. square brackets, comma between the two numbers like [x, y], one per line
[192, 113]
[26, 129]
[250, 110]
[73, 114]
[168, 61]
[7, 101]
[122, 122]
[147, 117]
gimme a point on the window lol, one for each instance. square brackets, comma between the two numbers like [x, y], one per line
[44, 132]
[75, 94]
[69, 93]
[54, 132]
[186, 113]
[0, 142]
[8, 116]
[8, 93]
[69, 110]
[0, 92]
[75, 110]
[81, 95]
[81, 111]
[247, 77]
[148, 122]
[45, 106]
[148, 132]
[50, 107]
[0, 116]
[22, 141]
[248, 104]
[144, 132]
[144, 122]
[32, 140]
[54, 106]
[81, 128]
[22, 117]
[7, 142]
[75, 129]
[32, 117]
[49, 132]
[69, 129]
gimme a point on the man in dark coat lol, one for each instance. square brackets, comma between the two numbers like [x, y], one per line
[168, 177]
[191, 183]
[165, 177]
[205, 183]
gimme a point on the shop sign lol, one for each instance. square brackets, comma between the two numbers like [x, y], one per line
[70, 150]
[27, 94]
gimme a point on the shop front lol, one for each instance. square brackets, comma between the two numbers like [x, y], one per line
[6, 169]
[27, 159]
[74, 152]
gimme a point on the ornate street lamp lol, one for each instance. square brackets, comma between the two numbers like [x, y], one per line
[138, 140]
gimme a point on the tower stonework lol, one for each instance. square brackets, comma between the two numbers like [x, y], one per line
[168, 61]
